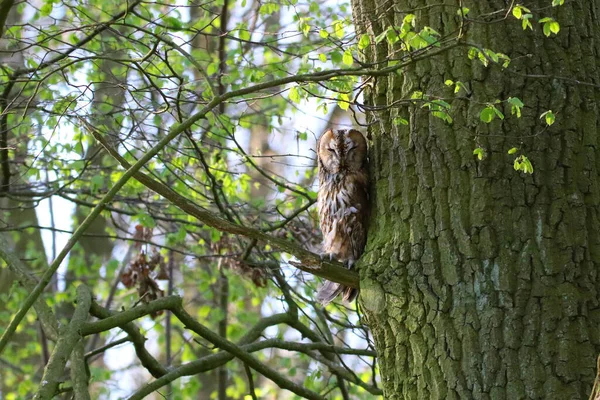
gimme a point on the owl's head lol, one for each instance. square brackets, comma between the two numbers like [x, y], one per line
[341, 150]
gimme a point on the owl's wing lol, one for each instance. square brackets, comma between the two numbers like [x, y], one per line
[328, 292]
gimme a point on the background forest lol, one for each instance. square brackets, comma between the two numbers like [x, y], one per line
[158, 231]
[80, 80]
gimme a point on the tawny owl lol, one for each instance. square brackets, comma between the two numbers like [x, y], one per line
[343, 202]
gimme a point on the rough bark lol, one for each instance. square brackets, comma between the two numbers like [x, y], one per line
[479, 281]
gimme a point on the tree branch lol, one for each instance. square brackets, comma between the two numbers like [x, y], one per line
[79, 373]
[136, 337]
[231, 350]
[174, 304]
[68, 338]
[44, 313]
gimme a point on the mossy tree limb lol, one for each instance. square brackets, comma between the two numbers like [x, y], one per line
[69, 337]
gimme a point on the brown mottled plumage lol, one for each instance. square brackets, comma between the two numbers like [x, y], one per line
[343, 202]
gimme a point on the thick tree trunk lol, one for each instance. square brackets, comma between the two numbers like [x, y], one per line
[479, 281]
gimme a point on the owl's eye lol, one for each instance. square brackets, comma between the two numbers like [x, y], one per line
[352, 148]
[331, 150]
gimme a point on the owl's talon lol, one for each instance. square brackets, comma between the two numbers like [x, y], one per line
[323, 255]
[349, 264]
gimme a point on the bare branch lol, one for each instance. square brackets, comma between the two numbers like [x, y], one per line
[68, 338]
[79, 373]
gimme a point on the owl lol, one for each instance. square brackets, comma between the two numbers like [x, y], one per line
[343, 202]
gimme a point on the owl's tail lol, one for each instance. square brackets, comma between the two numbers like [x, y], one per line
[349, 294]
[330, 290]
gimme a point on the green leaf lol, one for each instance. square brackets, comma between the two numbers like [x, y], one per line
[391, 36]
[517, 164]
[498, 113]
[322, 57]
[145, 220]
[347, 59]
[550, 26]
[417, 41]
[515, 101]
[343, 101]
[336, 57]
[522, 163]
[460, 85]
[549, 117]
[77, 165]
[78, 148]
[338, 29]
[364, 42]
[526, 21]
[479, 153]
[324, 34]
[294, 95]
[516, 105]
[400, 121]
[323, 107]
[46, 9]
[97, 182]
[443, 116]
[557, 3]
[203, 312]
[212, 68]
[244, 34]
[546, 29]
[528, 166]
[304, 26]
[215, 235]
[173, 23]
[517, 11]
[513, 150]
[381, 37]
[487, 114]
[462, 11]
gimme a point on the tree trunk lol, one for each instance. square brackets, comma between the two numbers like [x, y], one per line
[16, 213]
[479, 281]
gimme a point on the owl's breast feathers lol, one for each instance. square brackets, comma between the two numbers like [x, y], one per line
[343, 210]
